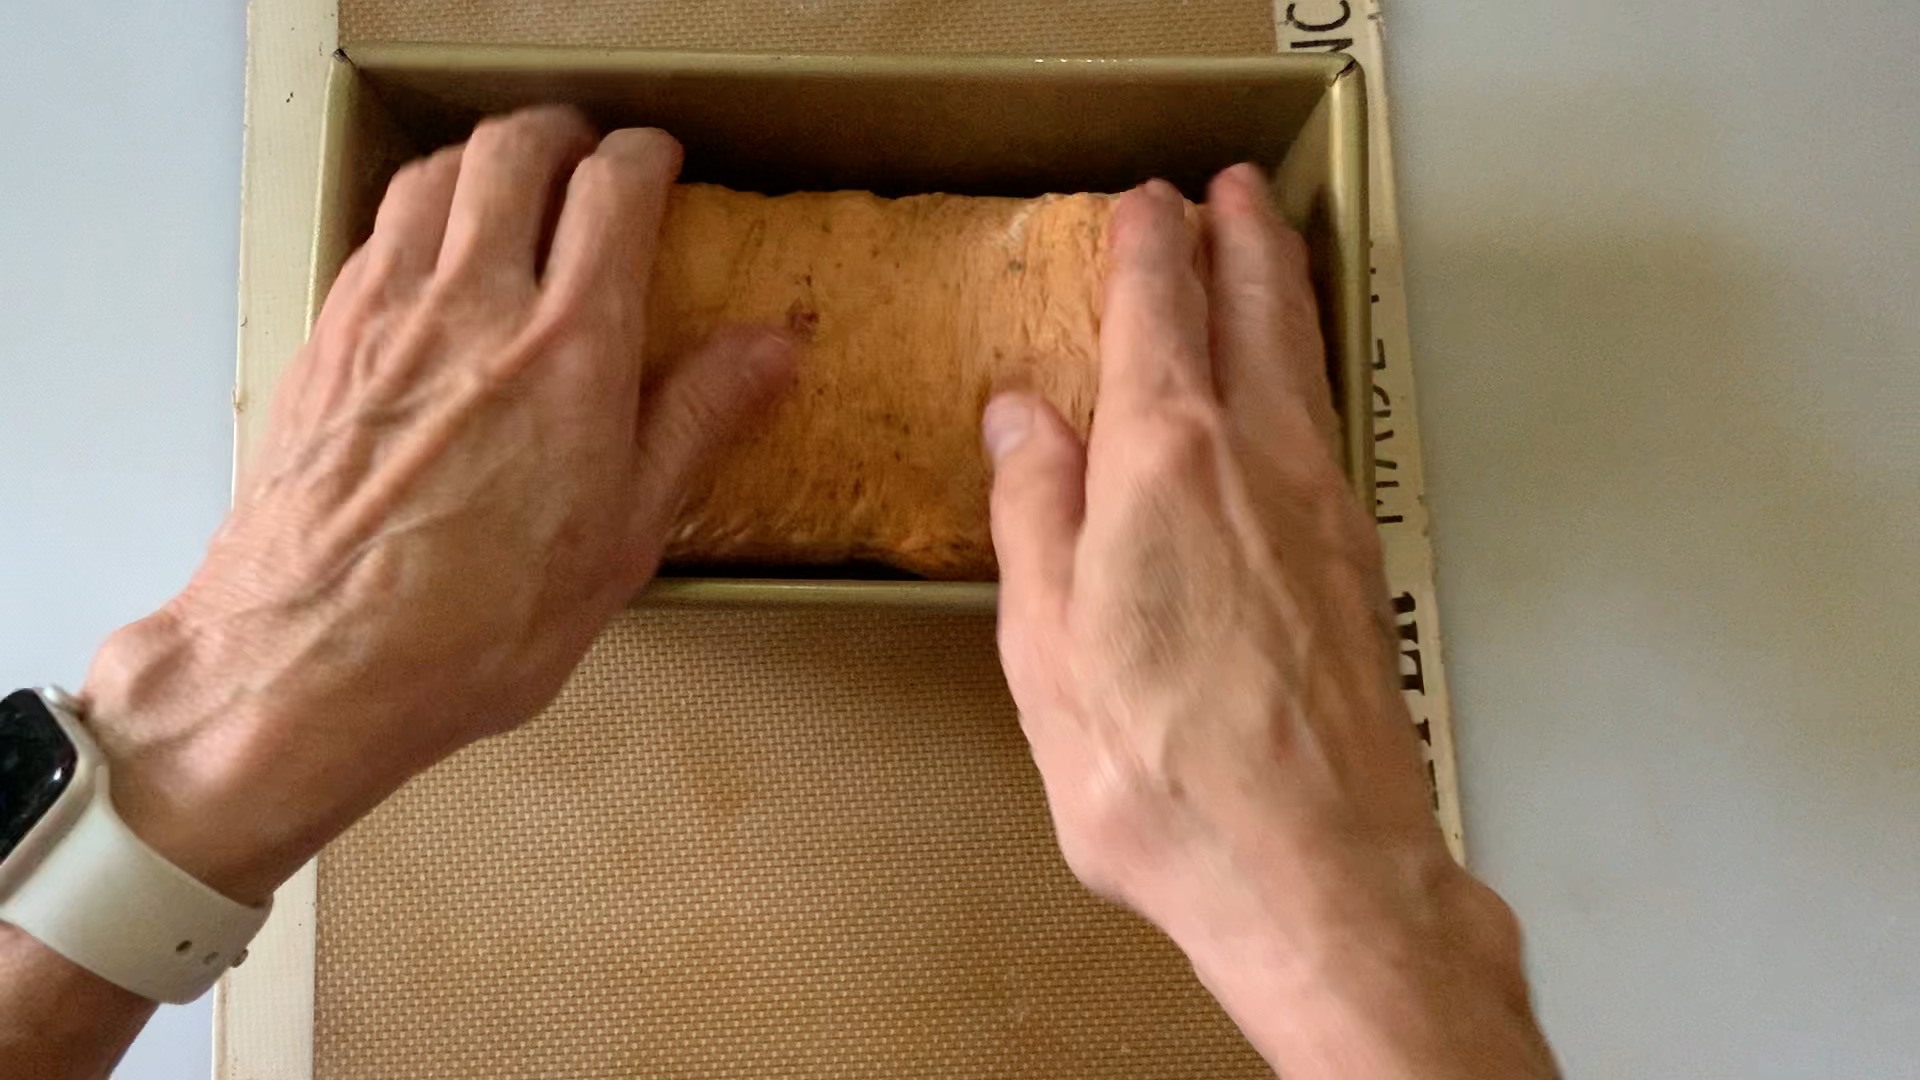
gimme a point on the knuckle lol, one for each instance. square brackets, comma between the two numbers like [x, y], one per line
[439, 169]
[496, 134]
[601, 181]
[1130, 276]
[1289, 246]
[468, 277]
[520, 132]
[453, 299]
[442, 296]
[408, 178]
[348, 281]
[645, 144]
[1110, 832]
[1031, 652]
[1020, 502]
[358, 290]
[596, 175]
[381, 264]
[577, 301]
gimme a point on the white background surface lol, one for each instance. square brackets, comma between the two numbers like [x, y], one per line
[119, 232]
[1665, 277]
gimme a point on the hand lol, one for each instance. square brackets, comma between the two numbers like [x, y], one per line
[467, 475]
[1194, 624]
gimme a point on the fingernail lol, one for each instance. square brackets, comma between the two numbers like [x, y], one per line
[1249, 174]
[1162, 191]
[1005, 425]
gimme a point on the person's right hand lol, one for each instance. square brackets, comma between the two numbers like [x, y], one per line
[1194, 624]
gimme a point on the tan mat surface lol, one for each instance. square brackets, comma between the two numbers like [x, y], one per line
[747, 845]
[997, 26]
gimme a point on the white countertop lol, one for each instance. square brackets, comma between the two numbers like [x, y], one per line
[1664, 263]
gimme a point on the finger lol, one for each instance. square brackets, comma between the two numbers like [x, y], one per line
[412, 220]
[1039, 499]
[503, 199]
[1269, 362]
[699, 409]
[347, 297]
[1153, 328]
[604, 243]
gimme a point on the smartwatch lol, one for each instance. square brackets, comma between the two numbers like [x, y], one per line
[73, 875]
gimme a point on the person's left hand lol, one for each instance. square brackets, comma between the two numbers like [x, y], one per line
[467, 475]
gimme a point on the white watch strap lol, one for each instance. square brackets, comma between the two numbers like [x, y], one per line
[106, 901]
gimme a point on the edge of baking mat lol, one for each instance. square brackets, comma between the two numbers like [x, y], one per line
[263, 1009]
[1399, 478]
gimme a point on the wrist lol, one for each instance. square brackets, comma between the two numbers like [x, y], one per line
[191, 765]
[1404, 966]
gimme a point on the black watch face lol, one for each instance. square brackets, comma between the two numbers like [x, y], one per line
[37, 762]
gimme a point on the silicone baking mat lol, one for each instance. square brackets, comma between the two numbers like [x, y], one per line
[797, 843]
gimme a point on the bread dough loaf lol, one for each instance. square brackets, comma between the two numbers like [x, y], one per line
[910, 313]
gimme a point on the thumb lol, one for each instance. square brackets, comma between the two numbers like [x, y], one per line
[702, 408]
[1039, 498]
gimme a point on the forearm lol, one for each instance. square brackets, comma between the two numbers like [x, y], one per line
[189, 795]
[1336, 985]
[400, 575]
[58, 1020]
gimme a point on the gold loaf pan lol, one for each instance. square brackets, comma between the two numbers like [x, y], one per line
[899, 125]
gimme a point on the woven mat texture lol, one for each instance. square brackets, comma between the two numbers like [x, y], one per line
[995, 26]
[747, 845]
